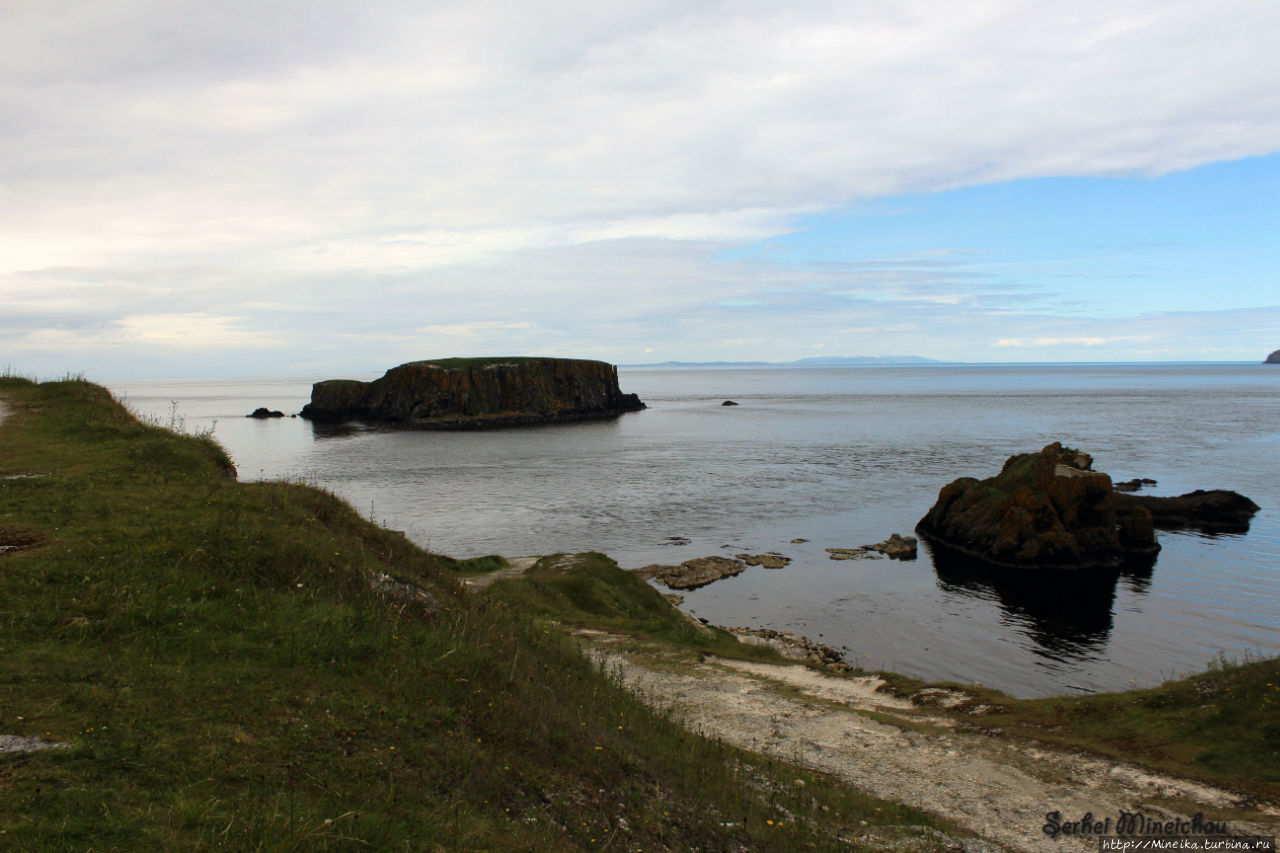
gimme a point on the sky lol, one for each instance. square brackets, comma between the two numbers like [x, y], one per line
[310, 187]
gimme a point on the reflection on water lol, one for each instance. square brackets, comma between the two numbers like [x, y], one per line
[321, 430]
[1066, 613]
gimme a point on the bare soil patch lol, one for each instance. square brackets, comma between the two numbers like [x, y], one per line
[25, 743]
[914, 751]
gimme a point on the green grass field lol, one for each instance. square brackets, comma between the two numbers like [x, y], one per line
[224, 677]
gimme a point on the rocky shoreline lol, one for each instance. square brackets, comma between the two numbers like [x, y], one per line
[794, 646]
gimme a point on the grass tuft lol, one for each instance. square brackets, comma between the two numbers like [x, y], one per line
[1221, 726]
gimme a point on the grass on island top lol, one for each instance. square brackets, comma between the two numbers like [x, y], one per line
[225, 678]
[485, 361]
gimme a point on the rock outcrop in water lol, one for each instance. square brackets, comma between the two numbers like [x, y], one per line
[1214, 511]
[694, 573]
[1043, 510]
[475, 393]
[1274, 358]
[1051, 510]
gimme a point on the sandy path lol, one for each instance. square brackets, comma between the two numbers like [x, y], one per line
[997, 787]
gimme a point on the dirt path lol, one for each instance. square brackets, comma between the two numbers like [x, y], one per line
[997, 787]
[516, 566]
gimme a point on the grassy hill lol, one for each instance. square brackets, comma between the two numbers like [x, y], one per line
[224, 675]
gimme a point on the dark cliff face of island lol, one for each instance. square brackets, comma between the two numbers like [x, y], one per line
[1274, 358]
[476, 393]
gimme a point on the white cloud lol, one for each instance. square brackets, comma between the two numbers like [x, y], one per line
[195, 331]
[189, 331]
[492, 127]
[471, 330]
[1057, 342]
[198, 175]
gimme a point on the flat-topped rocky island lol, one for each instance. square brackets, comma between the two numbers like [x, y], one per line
[476, 393]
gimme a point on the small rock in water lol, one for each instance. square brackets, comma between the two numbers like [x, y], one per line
[262, 413]
[769, 561]
[849, 553]
[728, 403]
[897, 547]
[798, 541]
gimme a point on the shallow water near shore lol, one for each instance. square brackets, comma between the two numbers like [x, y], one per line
[840, 457]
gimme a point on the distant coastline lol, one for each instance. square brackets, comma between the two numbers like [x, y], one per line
[915, 361]
[818, 361]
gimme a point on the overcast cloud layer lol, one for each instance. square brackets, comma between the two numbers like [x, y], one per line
[297, 187]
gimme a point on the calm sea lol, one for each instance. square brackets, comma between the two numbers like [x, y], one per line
[840, 457]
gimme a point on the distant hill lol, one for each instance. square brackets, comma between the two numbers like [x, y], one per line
[1274, 358]
[816, 361]
[839, 361]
